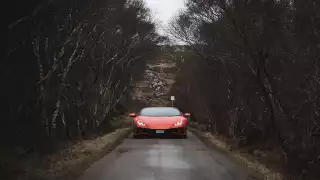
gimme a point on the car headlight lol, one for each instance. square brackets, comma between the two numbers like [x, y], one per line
[141, 123]
[178, 123]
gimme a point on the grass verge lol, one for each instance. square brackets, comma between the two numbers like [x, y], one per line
[71, 162]
[106, 143]
[250, 162]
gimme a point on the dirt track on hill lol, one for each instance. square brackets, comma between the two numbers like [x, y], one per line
[154, 88]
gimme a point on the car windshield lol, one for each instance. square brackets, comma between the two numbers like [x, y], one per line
[160, 111]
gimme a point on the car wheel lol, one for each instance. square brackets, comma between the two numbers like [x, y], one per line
[136, 136]
[184, 136]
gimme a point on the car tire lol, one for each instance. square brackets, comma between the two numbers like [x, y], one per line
[136, 136]
[184, 136]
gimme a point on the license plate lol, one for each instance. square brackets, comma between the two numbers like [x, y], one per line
[159, 131]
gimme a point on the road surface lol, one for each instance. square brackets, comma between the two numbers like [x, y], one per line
[164, 159]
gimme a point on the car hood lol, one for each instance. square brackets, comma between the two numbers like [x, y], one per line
[161, 122]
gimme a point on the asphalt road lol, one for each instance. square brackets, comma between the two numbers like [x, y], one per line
[164, 159]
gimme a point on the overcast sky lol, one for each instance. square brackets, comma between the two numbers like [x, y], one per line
[164, 10]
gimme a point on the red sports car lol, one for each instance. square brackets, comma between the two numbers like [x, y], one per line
[160, 121]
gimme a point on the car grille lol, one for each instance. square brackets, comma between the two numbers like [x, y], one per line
[166, 131]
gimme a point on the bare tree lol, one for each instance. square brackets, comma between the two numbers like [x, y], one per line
[258, 77]
[69, 65]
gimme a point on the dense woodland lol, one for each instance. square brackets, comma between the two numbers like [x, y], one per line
[67, 67]
[253, 75]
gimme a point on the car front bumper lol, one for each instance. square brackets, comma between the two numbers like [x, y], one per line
[171, 131]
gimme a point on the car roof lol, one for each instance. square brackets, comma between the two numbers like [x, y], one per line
[160, 108]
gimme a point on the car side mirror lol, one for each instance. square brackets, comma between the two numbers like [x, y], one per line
[132, 114]
[187, 114]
